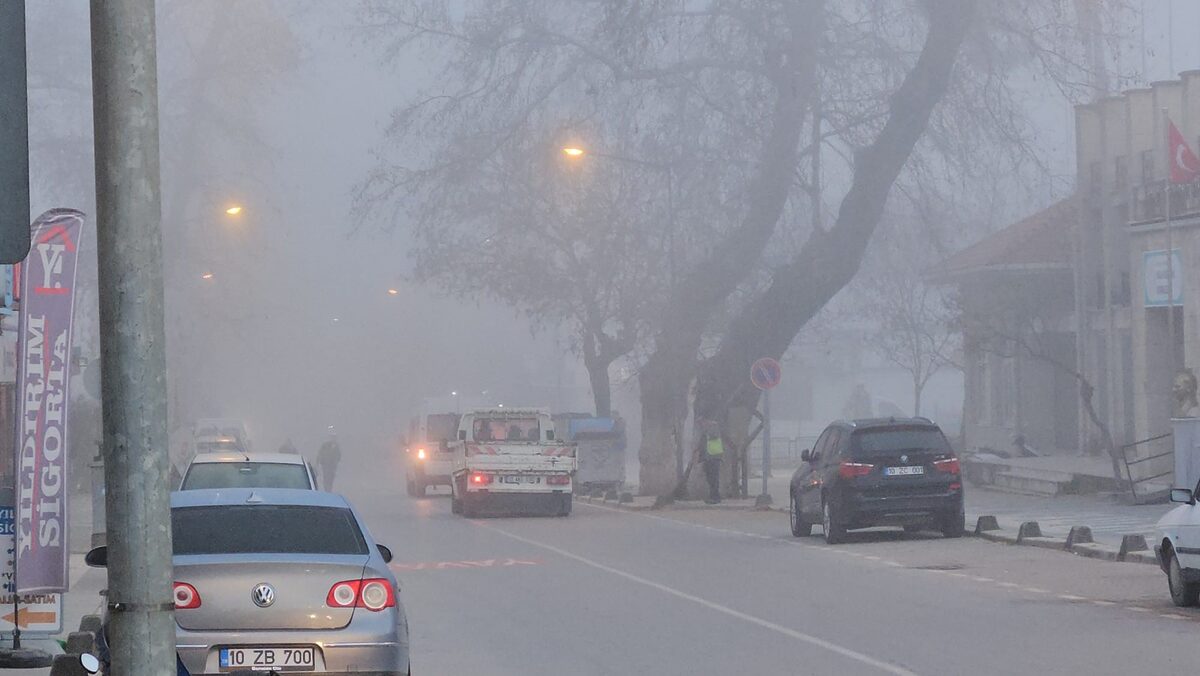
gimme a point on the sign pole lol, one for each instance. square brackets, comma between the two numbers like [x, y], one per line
[764, 498]
[765, 374]
[1170, 253]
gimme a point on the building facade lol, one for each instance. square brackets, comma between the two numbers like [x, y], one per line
[1139, 305]
[1100, 290]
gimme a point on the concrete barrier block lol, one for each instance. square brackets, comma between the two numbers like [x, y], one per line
[610, 495]
[67, 665]
[1079, 535]
[626, 497]
[90, 623]
[80, 642]
[1029, 529]
[986, 523]
[1131, 543]
[1094, 551]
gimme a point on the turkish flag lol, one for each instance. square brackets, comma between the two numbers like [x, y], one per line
[1185, 167]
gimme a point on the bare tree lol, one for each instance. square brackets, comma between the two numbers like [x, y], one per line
[722, 93]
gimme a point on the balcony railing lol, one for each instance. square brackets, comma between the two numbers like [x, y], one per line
[1149, 202]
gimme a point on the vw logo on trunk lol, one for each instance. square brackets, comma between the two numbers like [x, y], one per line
[263, 595]
[904, 458]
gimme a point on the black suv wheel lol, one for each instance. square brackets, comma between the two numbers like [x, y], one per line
[954, 524]
[800, 527]
[835, 531]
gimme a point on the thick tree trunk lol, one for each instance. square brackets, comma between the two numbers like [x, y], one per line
[830, 259]
[597, 369]
[664, 386]
[667, 375]
[917, 388]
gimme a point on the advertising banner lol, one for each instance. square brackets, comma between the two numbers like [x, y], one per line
[43, 373]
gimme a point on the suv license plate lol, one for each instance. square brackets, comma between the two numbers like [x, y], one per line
[903, 471]
[292, 658]
[519, 479]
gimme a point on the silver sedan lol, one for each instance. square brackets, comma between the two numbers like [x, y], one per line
[281, 579]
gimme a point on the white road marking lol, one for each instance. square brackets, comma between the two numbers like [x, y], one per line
[1035, 590]
[983, 579]
[1071, 597]
[1104, 603]
[1173, 616]
[712, 605]
[1010, 585]
[1137, 609]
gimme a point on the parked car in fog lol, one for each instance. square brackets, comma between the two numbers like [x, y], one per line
[1178, 547]
[248, 470]
[279, 580]
[878, 472]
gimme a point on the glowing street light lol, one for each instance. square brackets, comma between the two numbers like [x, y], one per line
[234, 210]
[393, 292]
[207, 275]
[573, 151]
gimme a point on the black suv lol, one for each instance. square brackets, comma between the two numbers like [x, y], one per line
[878, 472]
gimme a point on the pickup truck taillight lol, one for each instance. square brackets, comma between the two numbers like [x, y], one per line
[481, 479]
[558, 479]
[420, 454]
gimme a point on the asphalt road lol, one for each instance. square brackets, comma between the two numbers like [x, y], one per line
[709, 592]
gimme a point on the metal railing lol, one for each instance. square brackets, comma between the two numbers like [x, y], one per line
[1129, 464]
[1149, 202]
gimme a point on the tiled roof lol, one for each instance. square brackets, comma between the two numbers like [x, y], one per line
[1041, 241]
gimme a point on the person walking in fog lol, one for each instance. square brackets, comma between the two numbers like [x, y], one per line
[711, 449]
[328, 458]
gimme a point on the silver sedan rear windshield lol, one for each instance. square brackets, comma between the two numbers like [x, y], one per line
[266, 529]
[245, 475]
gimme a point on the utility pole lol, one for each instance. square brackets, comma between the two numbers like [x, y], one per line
[133, 359]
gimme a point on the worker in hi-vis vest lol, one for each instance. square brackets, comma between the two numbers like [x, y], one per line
[712, 450]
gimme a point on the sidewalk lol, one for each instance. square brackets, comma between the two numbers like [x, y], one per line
[1105, 514]
[86, 584]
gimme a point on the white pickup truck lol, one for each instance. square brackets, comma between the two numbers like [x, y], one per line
[510, 458]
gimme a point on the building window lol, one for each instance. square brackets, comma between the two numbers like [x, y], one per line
[1148, 164]
[1095, 178]
[1120, 173]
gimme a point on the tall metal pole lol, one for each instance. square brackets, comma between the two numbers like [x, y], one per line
[133, 358]
[765, 496]
[1170, 252]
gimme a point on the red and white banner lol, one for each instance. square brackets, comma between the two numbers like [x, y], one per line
[43, 374]
[1185, 167]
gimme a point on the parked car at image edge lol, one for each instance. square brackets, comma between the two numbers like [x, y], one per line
[878, 472]
[1178, 548]
[280, 579]
[248, 470]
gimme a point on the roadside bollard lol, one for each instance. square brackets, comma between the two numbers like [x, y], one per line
[90, 623]
[1131, 543]
[67, 665]
[986, 523]
[1029, 529]
[80, 642]
[1079, 535]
